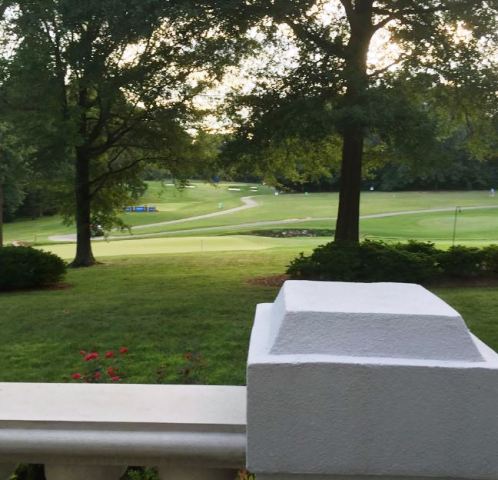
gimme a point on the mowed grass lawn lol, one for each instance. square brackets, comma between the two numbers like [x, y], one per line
[161, 307]
[154, 246]
[472, 226]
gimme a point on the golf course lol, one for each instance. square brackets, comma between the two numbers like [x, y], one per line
[225, 217]
[163, 289]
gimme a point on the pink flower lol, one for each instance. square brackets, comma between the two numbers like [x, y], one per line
[97, 375]
[82, 352]
[76, 376]
[91, 356]
[123, 350]
[109, 354]
[116, 379]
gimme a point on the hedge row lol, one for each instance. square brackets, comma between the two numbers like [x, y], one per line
[375, 261]
[26, 267]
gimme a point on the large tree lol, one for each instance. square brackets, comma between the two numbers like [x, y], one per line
[332, 88]
[101, 87]
[13, 174]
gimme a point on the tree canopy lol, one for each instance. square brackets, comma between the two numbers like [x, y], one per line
[100, 88]
[438, 85]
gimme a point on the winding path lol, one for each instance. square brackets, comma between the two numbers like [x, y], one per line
[249, 202]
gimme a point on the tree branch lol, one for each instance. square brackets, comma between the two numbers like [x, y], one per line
[301, 31]
[403, 13]
[101, 179]
[387, 67]
[348, 7]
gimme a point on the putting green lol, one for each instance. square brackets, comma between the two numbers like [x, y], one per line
[154, 246]
[472, 226]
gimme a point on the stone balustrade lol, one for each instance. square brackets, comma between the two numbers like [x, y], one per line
[345, 382]
[83, 432]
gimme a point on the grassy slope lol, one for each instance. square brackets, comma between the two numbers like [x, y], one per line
[161, 306]
[171, 202]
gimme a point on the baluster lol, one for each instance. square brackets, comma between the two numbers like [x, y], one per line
[6, 470]
[183, 472]
[83, 472]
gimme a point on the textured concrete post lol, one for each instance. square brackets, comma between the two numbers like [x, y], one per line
[362, 380]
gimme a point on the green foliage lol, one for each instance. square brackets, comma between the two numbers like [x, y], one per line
[26, 267]
[13, 169]
[29, 472]
[407, 113]
[98, 89]
[413, 246]
[366, 262]
[140, 473]
[418, 262]
[462, 262]
[490, 259]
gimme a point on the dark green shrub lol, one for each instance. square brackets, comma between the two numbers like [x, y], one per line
[26, 267]
[490, 259]
[462, 262]
[414, 246]
[29, 472]
[328, 262]
[365, 262]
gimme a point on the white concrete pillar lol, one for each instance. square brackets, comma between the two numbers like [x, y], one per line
[184, 472]
[83, 472]
[6, 470]
[365, 381]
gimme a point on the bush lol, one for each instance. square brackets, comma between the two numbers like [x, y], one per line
[413, 246]
[372, 261]
[490, 259]
[367, 262]
[26, 267]
[462, 262]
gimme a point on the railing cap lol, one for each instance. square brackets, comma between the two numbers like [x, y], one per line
[123, 404]
[387, 320]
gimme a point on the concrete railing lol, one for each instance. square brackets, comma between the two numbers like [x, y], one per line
[345, 382]
[94, 432]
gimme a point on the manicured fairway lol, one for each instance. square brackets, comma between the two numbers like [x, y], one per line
[319, 210]
[160, 307]
[316, 210]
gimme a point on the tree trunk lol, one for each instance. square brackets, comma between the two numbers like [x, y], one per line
[84, 256]
[1, 214]
[348, 218]
[354, 128]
